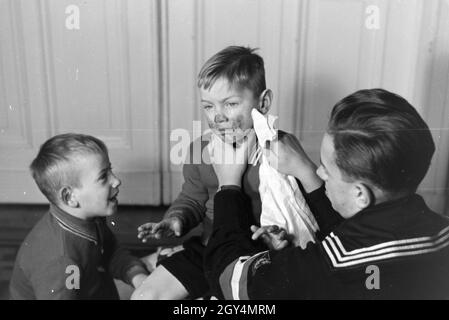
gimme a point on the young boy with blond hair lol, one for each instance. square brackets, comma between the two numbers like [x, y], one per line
[71, 253]
[231, 83]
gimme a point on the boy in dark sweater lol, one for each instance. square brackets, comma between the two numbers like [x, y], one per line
[71, 253]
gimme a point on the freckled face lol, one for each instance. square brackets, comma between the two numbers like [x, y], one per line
[228, 110]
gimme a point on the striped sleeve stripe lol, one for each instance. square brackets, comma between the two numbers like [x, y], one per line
[225, 281]
[340, 257]
[226, 278]
[338, 248]
[442, 233]
[337, 264]
[233, 280]
[243, 281]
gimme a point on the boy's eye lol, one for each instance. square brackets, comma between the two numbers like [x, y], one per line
[207, 107]
[232, 104]
[104, 177]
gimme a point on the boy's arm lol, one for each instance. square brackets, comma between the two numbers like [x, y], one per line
[121, 264]
[288, 156]
[127, 267]
[231, 237]
[59, 280]
[237, 269]
[321, 207]
[189, 206]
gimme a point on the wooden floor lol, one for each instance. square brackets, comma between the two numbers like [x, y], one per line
[17, 220]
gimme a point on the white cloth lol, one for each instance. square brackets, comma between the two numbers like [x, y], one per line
[283, 204]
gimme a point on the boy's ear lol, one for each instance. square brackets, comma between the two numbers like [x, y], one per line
[364, 197]
[68, 197]
[265, 99]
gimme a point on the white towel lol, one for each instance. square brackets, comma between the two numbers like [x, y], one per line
[283, 204]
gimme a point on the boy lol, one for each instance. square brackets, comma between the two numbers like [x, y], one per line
[71, 253]
[384, 242]
[231, 83]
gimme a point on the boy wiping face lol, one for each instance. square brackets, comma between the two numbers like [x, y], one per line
[71, 253]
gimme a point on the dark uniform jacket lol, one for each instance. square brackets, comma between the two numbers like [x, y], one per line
[393, 250]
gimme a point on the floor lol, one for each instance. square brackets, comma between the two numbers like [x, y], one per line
[17, 220]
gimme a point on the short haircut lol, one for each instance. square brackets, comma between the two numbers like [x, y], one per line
[240, 66]
[380, 138]
[53, 167]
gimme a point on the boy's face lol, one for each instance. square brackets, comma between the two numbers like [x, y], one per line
[98, 186]
[228, 110]
[342, 194]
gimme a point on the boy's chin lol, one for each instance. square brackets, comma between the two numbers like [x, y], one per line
[113, 205]
[236, 137]
[232, 139]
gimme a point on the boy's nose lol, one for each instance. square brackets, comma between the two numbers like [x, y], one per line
[220, 115]
[219, 118]
[116, 182]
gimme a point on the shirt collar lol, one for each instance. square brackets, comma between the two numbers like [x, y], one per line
[382, 222]
[390, 230]
[83, 228]
[396, 206]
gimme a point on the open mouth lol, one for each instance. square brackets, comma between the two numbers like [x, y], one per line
[227, 131]
[231, 135]
[114, 197]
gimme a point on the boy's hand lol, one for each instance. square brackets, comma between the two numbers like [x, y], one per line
[274, 237]
[229, 162]
[137, 280]
[288, 157]
[168, 227]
